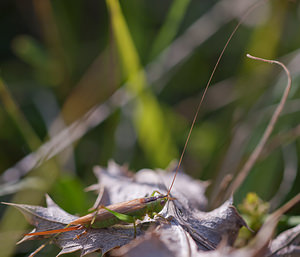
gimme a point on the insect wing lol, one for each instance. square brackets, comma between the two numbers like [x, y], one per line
[134, 207]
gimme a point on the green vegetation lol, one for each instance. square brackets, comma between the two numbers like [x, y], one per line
[148, 62]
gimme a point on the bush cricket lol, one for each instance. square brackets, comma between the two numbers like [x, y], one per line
[106, 216]
[137, 209]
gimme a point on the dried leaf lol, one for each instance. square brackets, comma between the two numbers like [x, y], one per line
[209, 228]
[53, 217]
[185, 228]
[286, 244]
[94, 240]
[160, 242]
[120, 185]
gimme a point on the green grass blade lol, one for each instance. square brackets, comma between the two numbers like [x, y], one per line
[148, 118]
[15, 114]
[170, 26]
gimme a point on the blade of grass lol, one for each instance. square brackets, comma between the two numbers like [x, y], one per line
[155, 71]
[149, 121]
[20, 121]
[170, 26]
[47, 173]
[45, 14]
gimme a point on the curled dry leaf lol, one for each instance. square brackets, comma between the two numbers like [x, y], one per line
[206, 228]
[286, 244]
[165, 240]
[181, 225]
[121, 185]
[53, 217]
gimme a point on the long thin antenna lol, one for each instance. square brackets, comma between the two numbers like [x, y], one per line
[207, 86]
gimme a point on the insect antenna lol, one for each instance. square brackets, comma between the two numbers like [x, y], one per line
[207, 86]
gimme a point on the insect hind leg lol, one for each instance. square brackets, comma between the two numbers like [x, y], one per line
[82, 233]
[90, 224]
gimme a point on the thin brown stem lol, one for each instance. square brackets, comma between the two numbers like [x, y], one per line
[38, 250]
[257, 151]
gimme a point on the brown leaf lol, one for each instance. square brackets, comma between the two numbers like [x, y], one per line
[183, 229]
[53, 217]
[286, 244]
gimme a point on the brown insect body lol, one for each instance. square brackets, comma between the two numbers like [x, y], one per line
[126, 212]
[136, 208]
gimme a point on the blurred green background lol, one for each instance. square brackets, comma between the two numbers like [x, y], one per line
[143, 65]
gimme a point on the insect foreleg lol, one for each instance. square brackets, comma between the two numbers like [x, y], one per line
[94, 217]
[134, 226]
[88, 226]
